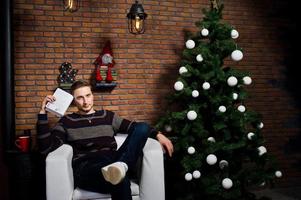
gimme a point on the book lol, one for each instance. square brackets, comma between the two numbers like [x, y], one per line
[62, 102]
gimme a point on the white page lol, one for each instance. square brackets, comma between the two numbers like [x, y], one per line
[62, 102]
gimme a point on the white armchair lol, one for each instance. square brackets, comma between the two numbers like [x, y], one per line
[60, 184]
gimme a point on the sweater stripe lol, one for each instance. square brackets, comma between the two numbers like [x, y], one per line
[89, 132]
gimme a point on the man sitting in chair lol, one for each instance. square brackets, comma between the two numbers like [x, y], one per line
[97, 164]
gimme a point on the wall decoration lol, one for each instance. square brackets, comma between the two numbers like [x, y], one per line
[105, 74]
[67, 76]
[136, 19]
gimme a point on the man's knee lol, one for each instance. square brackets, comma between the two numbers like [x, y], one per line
[143, 129]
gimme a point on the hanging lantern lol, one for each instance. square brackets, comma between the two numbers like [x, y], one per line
[71, 5]
[136, 18]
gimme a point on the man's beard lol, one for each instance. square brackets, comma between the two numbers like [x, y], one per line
[86, 109]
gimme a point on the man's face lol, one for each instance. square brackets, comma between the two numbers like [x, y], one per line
[83, 99]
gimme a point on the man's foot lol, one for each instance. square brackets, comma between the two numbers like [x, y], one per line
[115, 172]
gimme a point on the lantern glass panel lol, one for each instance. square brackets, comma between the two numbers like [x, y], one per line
[71, 5]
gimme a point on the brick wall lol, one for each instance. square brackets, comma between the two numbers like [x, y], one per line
[147, 64]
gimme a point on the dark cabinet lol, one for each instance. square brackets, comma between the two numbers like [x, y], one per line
[26, 175]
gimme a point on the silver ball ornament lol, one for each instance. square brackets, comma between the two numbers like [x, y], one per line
[205, 32]
[192, 115]
[278, 174]
[236, 55]
[234, 34]
[260, 125]
[195, 93]
[261, 150]
[250, 135]
[191, 150]
[227, 183]
[232, 81]
[167, 128]
[223, 164]
[211, 139]
[188, 176]
[235, 96]
[241, 108]
[179, 86]
[199, 58]
[222, 109]
[247, 80]
[190, 44]
[196, 174]
[206, 85]
[211, 159]
[183, 70]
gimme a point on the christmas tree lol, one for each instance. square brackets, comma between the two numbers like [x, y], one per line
[219, 148]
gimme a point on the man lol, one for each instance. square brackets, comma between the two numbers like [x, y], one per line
[97, 165]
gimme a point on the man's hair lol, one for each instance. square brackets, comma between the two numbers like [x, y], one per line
[79, 84]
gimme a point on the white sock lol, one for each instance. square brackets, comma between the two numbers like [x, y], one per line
[115, 172]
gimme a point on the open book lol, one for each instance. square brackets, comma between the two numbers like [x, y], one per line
[62, 102]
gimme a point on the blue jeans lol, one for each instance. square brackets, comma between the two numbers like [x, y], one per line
[88, 174]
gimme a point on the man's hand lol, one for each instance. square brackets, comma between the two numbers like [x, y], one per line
[165, 143]
[48, 98]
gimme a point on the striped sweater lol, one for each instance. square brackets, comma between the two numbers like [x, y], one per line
[88, 134]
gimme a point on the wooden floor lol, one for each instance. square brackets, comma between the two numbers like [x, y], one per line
[281, 193]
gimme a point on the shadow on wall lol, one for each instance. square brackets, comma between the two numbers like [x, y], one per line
[291, 36]
[169, 77]
[292, 84]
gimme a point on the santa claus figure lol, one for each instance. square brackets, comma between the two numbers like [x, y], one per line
[105, 59]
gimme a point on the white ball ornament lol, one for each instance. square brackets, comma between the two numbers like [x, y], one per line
[195, 93]
[278, 174]
[179, 86]
[234, 34]
[191, 150]
[188, 176]
[232, 81]
[260, 125]
[211, 159]
[167, 128]
[206, 85]
[196, 174]
[261, 150]
[222, 109]
[241, 108]
[205, 32]
[247, 80]
[250, 135]
[190, 44]
[211, 139]
[235, 96]
[223, 164]
[183, 70]
[236, 55]
[227, 183]
[192, 115]
[199, 58]
[262, 184]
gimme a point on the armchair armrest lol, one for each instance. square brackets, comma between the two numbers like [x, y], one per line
[152, 172]
[59, 174]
